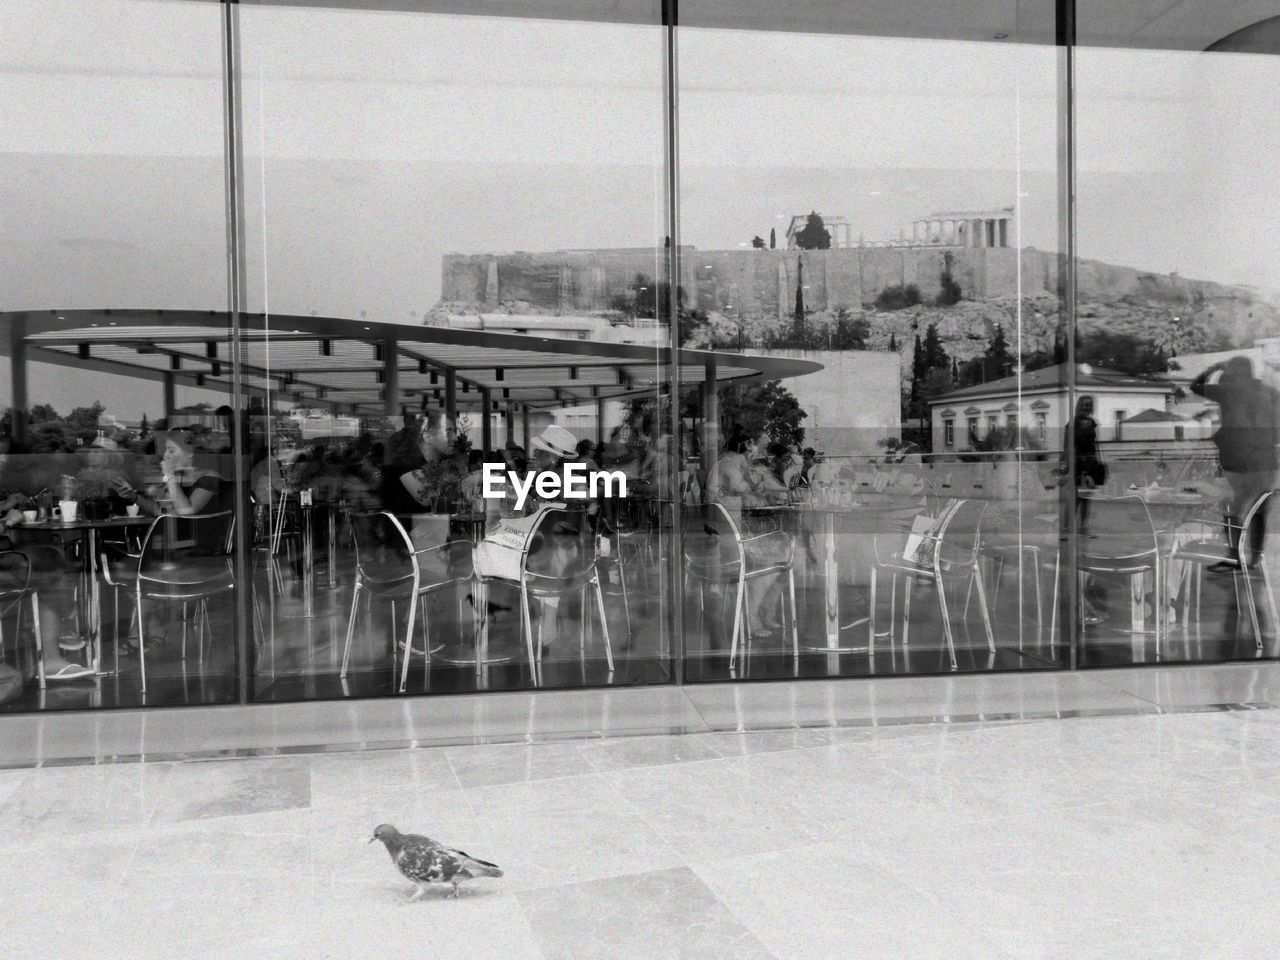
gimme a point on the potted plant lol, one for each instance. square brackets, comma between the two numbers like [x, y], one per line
[93, 488]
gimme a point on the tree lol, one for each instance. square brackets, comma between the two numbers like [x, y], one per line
[757, 242]
[997, 361]
[898, 297]
[43, 413]
[850, 332]
[773, 238]
[935, 355]
[814, 234]
[893, 343]
[768, 408]
[649, 300]
[949, 292]
[144, 427]
[799, 311]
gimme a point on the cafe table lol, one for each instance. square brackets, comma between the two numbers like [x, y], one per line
[1169, 508]
[90, 567]
[869, 516]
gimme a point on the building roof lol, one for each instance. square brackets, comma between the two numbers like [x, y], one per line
[1155, 416]
[343, 364]
[1054, 378]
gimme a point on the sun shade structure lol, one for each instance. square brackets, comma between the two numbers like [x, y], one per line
[364, 367]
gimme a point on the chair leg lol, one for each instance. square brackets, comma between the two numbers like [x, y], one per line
[582, 626]
[535, 663]
[795, 629]
[351, 628]
[142, 640]
[906, 614]
[1253, 608]
[982, 607]
[871, 616]
[426, 643]
[946, 622]
[408, 640]
[737, 623]
[604, 624]
[35, 627]
[626, 602]
[1271, 596]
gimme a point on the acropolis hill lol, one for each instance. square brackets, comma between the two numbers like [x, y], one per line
[762, 282]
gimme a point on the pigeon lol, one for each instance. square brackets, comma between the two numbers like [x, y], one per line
[425, 861]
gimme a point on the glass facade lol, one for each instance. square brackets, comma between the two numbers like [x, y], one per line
[919, 346]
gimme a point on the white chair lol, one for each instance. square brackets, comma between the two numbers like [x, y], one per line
[1195, 544]
[947, 553]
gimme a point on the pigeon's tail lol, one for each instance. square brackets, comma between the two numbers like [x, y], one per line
[483, 868]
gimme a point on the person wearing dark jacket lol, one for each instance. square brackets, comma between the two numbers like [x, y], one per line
[1246, 442]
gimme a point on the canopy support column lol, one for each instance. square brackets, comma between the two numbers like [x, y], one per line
[486, 422]
[600, 421]
[509, 415]
[168, 402]
[524, 426]
[390, 378]
[451, 396]
[18, 380]
[710, 429]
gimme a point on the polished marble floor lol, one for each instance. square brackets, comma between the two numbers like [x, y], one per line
[1140, 835]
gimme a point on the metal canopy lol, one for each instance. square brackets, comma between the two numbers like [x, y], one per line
[345, 364]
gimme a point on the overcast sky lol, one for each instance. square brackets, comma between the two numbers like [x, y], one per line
[378, 142]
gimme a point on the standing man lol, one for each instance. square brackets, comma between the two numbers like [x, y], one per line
[1246, 442]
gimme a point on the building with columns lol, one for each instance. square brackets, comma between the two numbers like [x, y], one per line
[963, 228]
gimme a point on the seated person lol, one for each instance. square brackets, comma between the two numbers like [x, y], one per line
[187, 489]
[54, 577]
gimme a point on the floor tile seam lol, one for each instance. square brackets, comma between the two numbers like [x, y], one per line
[357, 747]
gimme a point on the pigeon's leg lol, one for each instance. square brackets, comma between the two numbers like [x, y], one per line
[455, 889]
[419, 891]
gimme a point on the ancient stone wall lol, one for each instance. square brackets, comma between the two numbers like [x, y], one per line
[762, 283]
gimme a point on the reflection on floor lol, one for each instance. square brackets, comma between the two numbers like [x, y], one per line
[1085, 838]
[302, 621]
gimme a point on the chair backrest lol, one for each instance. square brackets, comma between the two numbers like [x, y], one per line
[15, 580]
[1118, 527]
[710, 535]
[1246, 524]
[562, 546]
[383, 550]
[959, 531]
[178, 548]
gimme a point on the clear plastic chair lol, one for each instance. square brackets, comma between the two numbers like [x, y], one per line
[1121, 540]
[389, 568]
[947, 554]
[717, 554]
[1203, 543]
[185, 560]
[559, 560]
[16, 587]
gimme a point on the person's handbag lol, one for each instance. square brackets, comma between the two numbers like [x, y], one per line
[500, 553]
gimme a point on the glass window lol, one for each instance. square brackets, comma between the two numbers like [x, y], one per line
[1173, 296]
[417, 176]
[116, 435]
[898, 225]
